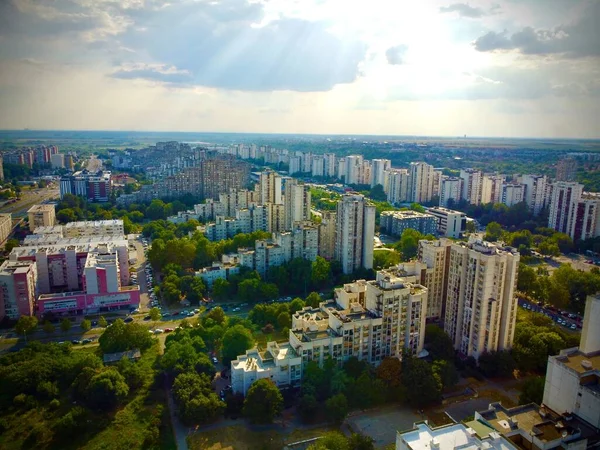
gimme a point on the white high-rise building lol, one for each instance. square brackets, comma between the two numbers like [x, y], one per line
[584, 223]
[354, 165]
[535, 192]
[318, 166]
[450, 188]
[297, 203]
[513, 193]
[471, 185]
[481, 307]
[355, 231]
[398, 186]
[330, 164]
[269, 188]
[295, 165]
[366, 174]
[491, 189]
[421, 182]
[378, 171]
[565, 196]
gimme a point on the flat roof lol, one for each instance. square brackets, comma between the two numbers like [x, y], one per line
[575, 360]
[41, 208]
[450, 437]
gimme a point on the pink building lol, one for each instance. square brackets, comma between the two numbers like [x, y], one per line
[18, 281]
[84, 303]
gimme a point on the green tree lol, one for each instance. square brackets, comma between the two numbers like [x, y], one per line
[313, 300]
[155, 315]
[337, 408]
[263, 401]
[321, 272]
[331, 441]
[308, 406]
[389, 371]
[65, 325]
[120, 337]
[358, 441]
[10, 244]
[446, 372]
[25, 325]
[217, 314]
[236, 341]
[422, 386]
[284, 320]
[102, 322]
[384, 258]
[195, 398]
[66, 216]
[49, 327]
[296, 305]
[220, 289]
[106, 389]
[493, 231]
[532, 391]
[438, 342]
[85, 325]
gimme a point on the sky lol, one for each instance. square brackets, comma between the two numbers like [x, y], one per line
[512, 68]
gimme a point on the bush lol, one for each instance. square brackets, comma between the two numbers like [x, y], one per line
[54, 404]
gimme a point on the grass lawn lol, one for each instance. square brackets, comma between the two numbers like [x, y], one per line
[240, 437]
[262, 339]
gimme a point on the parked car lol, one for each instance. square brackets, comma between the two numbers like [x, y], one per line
[147, 318]
[75, 341]
[168, 330]
[128, 319]
[214, 360]
[86, 341]
[158, 331]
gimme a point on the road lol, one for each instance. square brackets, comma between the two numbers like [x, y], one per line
[30, 197]
[93, 164]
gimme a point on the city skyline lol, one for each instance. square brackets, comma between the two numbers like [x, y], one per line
[441, 68]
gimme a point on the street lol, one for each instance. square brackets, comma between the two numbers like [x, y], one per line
[30, 197]
[568, 321]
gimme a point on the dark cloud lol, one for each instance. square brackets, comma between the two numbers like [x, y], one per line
[395, 55]
[464, 10]
[580, 39]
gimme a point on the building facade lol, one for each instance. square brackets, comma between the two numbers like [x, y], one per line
[395, 222]
[421, 182]
[18, 289]
[449, 223]
[450, 189]
[472, 185]
[5, 226]
[41, 216]
[481, 307]
[355, 232]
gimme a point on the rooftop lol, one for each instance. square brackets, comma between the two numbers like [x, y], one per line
[94, 223]
[12, 267]
[41, 208]
[406, 214]
[577, 361]
[449, 437]
[441, 209]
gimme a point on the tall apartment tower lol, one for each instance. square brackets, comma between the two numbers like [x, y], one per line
[269, 188]
[354, 166]
[1, 168]
[471, 185]
[513, 193]
[584, 222]
[354, 234]
[565, 196]
[296, 203]
[378, 171]
[450, 188]
[327, 235]
[398, 185]
[491, 189]
[421, 182]
[535, 192]
[566, 169]
[435, 255]
[481, 307]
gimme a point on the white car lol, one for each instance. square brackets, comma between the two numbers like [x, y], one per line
[158, 331]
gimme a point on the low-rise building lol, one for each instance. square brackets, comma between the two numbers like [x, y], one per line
[217, 270]
[41, 216]
[87, 228]
[278, 362]
[451, 437]
[395, 222]
[450, 223]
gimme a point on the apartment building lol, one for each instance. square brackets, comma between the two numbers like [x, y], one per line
[355, 231]
[450, 189]
[491, 188]
[513, 193]
[5, 226]
[269, 188]
[87, 228]
[368, 320]
[573, 376]
[379, 167]
[535, 192]
[565, 196]
[584, 222]
[60, 262]
[18, 289]
[449, 223]
[93, 186]
[472, 185]
[297, 203]
[421, 177]
[327, 235]
[395, 222]
[41, 216]
[317, 166]
[566, 169]
[397, 186]
[481, 307]
[218, 270]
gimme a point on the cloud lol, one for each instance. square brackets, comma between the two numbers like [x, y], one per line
[575, 40]
[395, 55]
[464, 10]
[154, 73]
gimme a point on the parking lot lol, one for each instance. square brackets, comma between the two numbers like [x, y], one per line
[568, 320]
[382, 424]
